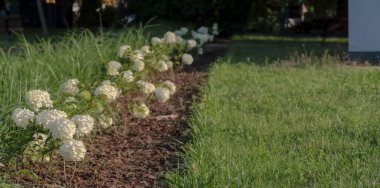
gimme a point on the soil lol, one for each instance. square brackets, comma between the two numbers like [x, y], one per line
[138, 152]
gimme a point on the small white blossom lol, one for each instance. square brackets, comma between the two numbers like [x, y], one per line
[165, 58]
[191, 44]
[128, 76]
[137, 55]
[156, 41]
[200, 51]
[113, 68]
[124, 51]
[22, 117]
[70, 87]
[141, 111]
[203, 30]
[180, 40]
[106, 82]
[169, 38]
[138, 66]
[171, 86]
[182, 31]
[161, 94]
[45, 117]
[84, 123]
[62, 129]
[169, 64]
[146, 87]
[146, 49]
[161, 66]
[187, 59]
[105, 121]
[37, 99]
[72, 150]
[71, 100]
[108, 90]
[211, 38]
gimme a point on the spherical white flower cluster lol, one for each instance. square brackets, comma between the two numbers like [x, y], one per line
[187, 59]
[138, 65]
[169, 64]
[128, 76]
[105, 121]
[108, 90]
[72, 150]
[161, 66]
[156, 41]
[137, 55]
[200, 51]
[124, 51]
[22, 117]
[191, 43]
[46, 117]
[215, 29]
[171, 86]
[84, 123]
[161, 94]
[146, 87]
[70, 87]
[141, 111]
[146, 50]
[62, 129]
[113, 68]
[37, 99]
[169, 38]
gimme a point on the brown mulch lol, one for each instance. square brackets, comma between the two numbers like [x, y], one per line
[139, 151]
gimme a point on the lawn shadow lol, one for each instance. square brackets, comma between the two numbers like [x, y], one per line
[266, 50]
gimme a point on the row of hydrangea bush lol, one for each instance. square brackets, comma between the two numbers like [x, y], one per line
[56, 127]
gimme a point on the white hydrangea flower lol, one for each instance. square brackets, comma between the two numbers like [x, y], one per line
[138, 66]
[39, 141]
[169, 38]
[106, 82]
[72, 150]
[169, 64]
[211, 38]
[180, 40]
[146, 49]
[171, 86]
[141, 111]
[161, 94]
[165, 57]
[200, 51]
[113, 68]
[146, 87]
[71, 100]
[108, 90]
[62, 128]
[215, 29]
[22, 117]
[157, 41]
[191, 44]
[84, 123]
[124, 51]
[182, 31]
[187, 59]
[105, 121]
[70, 87]
[203, 30]
[137, 55]
[46, 117]
[37, 99]
[128, 76]
[161, 66]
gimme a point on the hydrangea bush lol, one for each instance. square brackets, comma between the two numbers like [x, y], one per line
[57, 126]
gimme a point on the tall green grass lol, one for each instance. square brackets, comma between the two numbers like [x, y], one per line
[47, 63]
[275, 126]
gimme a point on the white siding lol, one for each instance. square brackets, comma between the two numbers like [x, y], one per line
[364, 25]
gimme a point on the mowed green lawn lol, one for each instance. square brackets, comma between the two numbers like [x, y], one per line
[274, 126]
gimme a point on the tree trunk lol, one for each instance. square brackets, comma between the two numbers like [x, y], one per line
[41, 15]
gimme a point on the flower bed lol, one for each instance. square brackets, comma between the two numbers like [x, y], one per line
[78, 126]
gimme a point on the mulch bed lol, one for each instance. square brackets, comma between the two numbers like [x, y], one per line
[139, 151]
